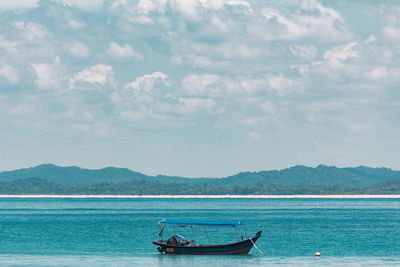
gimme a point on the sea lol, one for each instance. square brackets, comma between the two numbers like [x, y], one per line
[119, 231]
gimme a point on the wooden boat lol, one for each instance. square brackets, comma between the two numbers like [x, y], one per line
[180, 245]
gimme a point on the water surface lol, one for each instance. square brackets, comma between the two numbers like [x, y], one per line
[118, 232]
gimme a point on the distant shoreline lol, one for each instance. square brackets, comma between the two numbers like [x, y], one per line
[206, 196]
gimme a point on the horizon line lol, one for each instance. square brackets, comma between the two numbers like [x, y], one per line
[360, 196]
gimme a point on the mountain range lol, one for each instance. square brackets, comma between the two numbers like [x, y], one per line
[53, 179]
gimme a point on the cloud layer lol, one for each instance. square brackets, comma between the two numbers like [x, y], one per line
[199, 87]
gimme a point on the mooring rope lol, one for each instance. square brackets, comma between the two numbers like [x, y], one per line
[259, 250]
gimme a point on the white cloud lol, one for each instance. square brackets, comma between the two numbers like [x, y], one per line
[201, 84]
[290, 29]
[148, 97]
[31, 31]
[9, 4]
[284, 85]
[47, 75]
[192, 59]
[324, 11]
[221, 25]
[188, 8]
[370, 39]
[149, 11]
[245, 85]
[307, 52]
[253, 121]
[9, 73]
[383, 74]
[97, 75]
[9, 47]
[75, 24]
[377, 73]
[145, 97]
[147, 83]
[137, 12]
[342, 52]
[230, 50]
[349, 61]
[133, 115]
[215, 85]
[78, 49]
[123, 52]
[83, 4]
[303, 69]
[136, 98]
[78, 114]
[325, 27]
[391, 33]
[147, 6]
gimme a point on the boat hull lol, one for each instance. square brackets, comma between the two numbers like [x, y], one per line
[242, 247]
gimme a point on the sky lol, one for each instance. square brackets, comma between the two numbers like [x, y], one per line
[199, 88]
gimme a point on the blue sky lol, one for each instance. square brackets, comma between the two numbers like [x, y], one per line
[199, 87]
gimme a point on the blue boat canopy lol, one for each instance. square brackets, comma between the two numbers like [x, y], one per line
[183, 223]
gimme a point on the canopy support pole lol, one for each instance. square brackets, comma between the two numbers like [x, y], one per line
[161, 232]
[194, 237]
[205, 230]
[174, 229]
[235, 233]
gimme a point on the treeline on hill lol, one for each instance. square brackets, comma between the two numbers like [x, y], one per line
[144, 187]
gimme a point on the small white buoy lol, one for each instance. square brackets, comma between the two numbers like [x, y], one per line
[317, 254]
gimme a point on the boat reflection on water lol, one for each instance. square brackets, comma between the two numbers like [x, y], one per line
[179, 245]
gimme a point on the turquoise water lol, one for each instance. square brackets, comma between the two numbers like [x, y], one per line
[118, 232]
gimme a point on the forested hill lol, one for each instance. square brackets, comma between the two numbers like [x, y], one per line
[52, 179]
